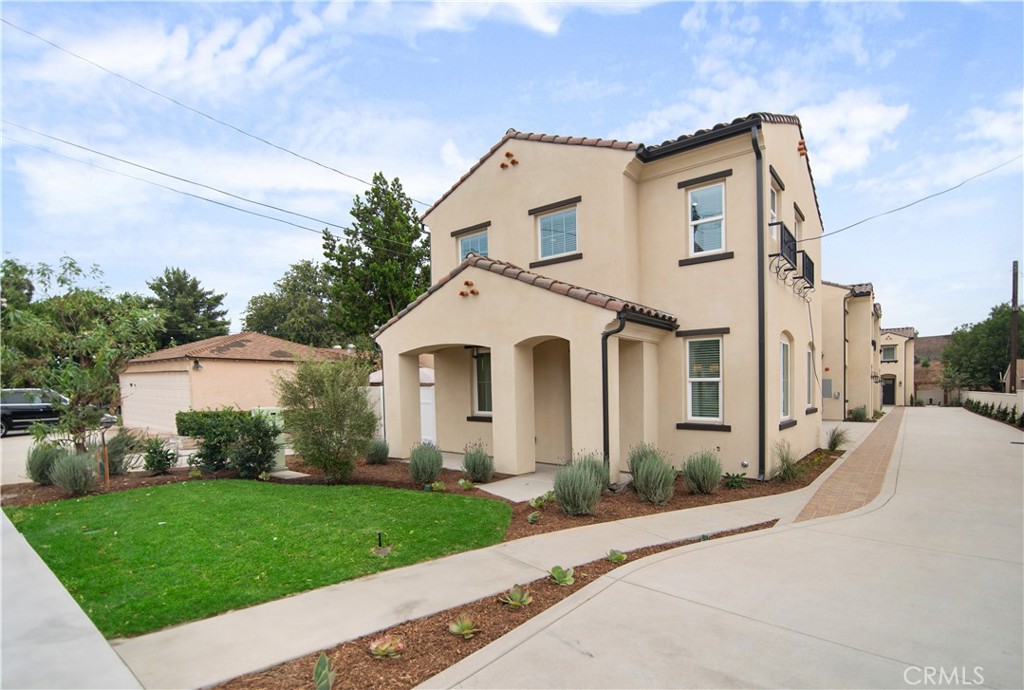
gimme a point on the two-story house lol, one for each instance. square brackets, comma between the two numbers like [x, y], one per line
[590, 295]
[896, 365]
[852, 326]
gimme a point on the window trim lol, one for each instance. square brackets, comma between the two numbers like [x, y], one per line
[476, 352]
[785, 381]
[469, 236]
[562, 208]
[719, 380]
[894, 356]
[810, 377]
[691, 224]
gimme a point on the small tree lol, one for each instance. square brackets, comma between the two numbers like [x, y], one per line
[327, 414]
[297, 309]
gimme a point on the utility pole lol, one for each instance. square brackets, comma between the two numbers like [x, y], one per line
[1011, 385]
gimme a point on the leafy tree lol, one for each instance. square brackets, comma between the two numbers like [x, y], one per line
[980, 352]
[16, 284]
[76, 340]
[382, 262]
[190, 312]
[297, 309]
[327, 414]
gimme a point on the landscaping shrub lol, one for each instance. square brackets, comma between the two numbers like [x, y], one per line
[477, 463]
[122, 449]
[640, 453]
[216, 431]
[578, 487]
[75, 473]
[593, 465]
[425, 463]
[859, 414]
[252, 452]
[327, 414]
[377, 451]
[655, 480]
[158, 458]
[40, 460]
[836, 439]
[702, 472]
[788, 469]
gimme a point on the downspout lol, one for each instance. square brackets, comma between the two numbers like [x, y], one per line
[762, 437]
[604, 389]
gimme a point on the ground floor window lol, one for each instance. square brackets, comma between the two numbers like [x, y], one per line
[784, 367]
[704, 379]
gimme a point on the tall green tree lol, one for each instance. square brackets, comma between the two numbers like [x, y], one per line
[381, 263]
[297, 309]
[190, 312]
[16, 286]
[980, 352]
[76, 340]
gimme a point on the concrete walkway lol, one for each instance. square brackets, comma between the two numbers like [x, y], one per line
[923, 582]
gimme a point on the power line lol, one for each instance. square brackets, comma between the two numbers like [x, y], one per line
[175, 177]
[207, 199]
[195, 110]
[913, 203]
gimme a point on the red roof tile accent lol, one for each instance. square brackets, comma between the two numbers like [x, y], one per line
[502, 268]
[254, 347]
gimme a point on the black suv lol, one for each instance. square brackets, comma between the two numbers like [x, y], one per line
[22, 407]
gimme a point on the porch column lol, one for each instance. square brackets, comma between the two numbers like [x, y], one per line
[401, 402]
[513, 416]
[651, 409]
[587, 409]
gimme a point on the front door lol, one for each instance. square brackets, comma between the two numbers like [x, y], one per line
[888, 391]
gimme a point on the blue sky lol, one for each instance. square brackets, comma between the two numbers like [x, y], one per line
[898, 101]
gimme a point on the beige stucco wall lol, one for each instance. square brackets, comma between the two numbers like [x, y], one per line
[862, 333]
[240, 384]
[833, 319]
[902, 369]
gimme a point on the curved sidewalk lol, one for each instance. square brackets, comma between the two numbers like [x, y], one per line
[925, 580]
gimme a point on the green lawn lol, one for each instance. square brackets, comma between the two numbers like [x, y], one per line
[145, 559]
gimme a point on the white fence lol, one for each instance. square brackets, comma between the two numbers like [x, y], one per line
[428, 423]
[1004, 399]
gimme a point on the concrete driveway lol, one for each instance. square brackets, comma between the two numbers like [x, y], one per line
[13, 449]
[921, 588]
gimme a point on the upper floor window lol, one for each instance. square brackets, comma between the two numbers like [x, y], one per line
[557, 233]
[473, 243]
[482, 401]
[888, 353]
[707, 219]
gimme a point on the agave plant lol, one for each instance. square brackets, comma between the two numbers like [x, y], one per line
[516, 598]
[463, 626]
[562, 576]
[386, 647]
[616, 556]
[324, 673]
[466, 484]
[438, 486]
[534, 517]
[538, 502]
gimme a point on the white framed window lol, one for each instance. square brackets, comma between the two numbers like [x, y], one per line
[704, 379]
[707, 219]
[557, 233]
[473, 243]
[785, 378]
[482, 391]
[798, 227]
[888, 353]
[810, 378]
[773, 211]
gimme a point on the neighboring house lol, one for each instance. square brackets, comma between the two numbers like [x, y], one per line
[590, 295]
[896, 365]
[851, 321]
[1020, 377]
[228, 370]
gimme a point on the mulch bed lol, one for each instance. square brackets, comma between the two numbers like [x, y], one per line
[429, 647]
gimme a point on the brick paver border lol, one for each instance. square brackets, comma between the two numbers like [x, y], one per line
[859, 479]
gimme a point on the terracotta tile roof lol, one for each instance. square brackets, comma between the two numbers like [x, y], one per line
[739, 123]
[858, 289]
[598, 299]
[255, 347]
[529, 136]
[905, 331]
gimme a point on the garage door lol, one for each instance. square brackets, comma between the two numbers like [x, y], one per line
[150, 400]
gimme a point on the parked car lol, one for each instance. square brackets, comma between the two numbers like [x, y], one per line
[20, 408]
